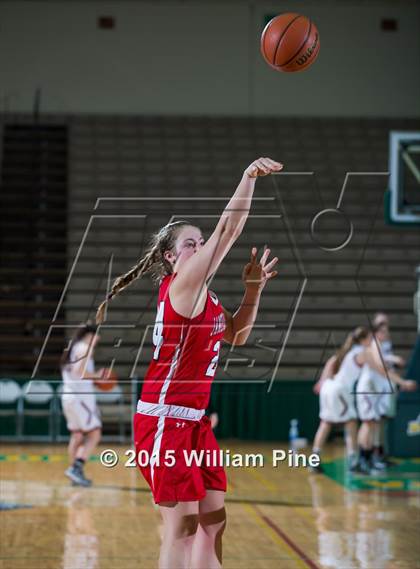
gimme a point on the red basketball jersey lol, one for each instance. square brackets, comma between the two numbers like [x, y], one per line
[186, 352]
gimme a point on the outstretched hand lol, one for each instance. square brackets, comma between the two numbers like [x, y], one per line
[257, 273]
[409, 385]
[263, 167]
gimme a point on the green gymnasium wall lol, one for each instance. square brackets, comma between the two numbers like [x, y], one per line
[247, 411]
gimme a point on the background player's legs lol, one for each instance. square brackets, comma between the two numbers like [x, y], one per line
[378, 444]
[180, 521]
[80, 448]
[365, 435]
[365, 440]
[207, 546]
[91, 440]
[76, 439]
[321, 436]
[350, 435]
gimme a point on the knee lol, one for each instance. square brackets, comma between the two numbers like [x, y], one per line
[213, 523]
[95, 435]
[76, 438]
[187, 526]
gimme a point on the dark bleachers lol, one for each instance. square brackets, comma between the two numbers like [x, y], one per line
[33, 237]
[171, 161]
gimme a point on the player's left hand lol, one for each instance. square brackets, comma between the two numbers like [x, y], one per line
[257, 273]
[397, 361]
[409, 385]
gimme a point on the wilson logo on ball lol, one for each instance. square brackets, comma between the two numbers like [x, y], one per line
[304, 58]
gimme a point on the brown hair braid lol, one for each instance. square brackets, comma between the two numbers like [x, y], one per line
[355, 337]
[152, 262]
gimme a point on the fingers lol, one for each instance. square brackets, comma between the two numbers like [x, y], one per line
[272, 275]
[271, 264]
[264, 256]
[253, 254]
[263, 166]
[263, 169]
[252, 171]
[272, 164]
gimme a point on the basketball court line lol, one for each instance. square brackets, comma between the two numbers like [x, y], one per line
[281, 538]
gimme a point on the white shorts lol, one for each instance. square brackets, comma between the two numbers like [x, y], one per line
[388, 403]
[81, 415]
[370, 399]
[336, 403]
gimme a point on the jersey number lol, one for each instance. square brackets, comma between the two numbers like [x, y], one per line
[211, 370]
[157, 330]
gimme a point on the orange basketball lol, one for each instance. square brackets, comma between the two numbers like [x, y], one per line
[290, 42]
[108, 380]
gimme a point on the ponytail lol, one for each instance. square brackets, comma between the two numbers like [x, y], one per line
[153, 262]
[84, 329]
[355, 337]
[142, 267]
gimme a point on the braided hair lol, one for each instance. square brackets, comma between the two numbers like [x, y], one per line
[152, 262]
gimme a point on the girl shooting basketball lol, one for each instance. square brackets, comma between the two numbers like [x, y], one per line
[190, 325]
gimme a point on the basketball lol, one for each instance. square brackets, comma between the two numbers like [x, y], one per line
[290, 42]
[108, 381]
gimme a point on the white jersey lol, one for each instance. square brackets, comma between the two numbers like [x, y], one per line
[386, 348]
[73, 385]
[349, 371]
[336, 401]
[376, 393]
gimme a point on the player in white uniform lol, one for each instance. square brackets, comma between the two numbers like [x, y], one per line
[389, 398]
[375, 397]
[79, 401]
[336, 392]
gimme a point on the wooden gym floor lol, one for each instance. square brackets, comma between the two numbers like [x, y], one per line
[278, 518]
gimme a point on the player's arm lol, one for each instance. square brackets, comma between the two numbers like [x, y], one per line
[370, 358]
[239, 325]
[196, 270]
[393, 359]
[79, 363]
[328, 371]
[255, 275]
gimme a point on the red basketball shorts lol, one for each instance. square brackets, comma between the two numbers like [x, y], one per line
[163, 450]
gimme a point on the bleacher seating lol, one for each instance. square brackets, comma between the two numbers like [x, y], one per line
[171, 161]
[182, 157]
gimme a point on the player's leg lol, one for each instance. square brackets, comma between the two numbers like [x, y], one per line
[90, 442]
[75, 424]
[76, 439]
[377, 446]
[368, 415]
[350, 435]
[327, 415]
[365, 440]
[321, 436]
[207, 545]
[180, 521]
[82, 415]
[83, 452]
